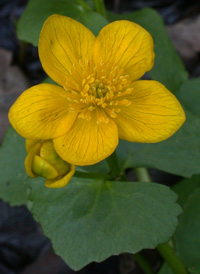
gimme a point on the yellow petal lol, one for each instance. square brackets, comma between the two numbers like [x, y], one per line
[153, 116]
[48, 153]
[31, 143]
[29, 159]
[127, 45]
[41, 112]
[87, 142]
[63, 42]
[43, 168]
[56, 183]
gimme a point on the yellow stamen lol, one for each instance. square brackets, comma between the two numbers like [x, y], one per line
[97, 87]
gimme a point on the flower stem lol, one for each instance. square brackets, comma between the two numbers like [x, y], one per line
[168, 253]
[143, 263]
[84, 5]
[113, 165]
[165, 250]
[100, 7]
[142, 174]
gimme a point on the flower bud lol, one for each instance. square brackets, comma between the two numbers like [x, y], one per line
[43, 160]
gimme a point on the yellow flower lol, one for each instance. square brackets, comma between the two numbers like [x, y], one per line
[98, 100]
[42, 160]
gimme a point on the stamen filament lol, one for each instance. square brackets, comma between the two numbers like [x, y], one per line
[99, 87]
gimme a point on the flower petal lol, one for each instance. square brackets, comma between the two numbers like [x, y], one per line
[48, 153]
[127, 45]
[31, 143]
[41, 112]
[29, 159]
[63, 42]
[153, 116]
[87, 142]
[56, 183]
[43, 168]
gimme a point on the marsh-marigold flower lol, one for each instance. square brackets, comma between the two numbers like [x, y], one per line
[42, 160]
[99, 98]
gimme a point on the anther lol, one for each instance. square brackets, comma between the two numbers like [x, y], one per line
[91, 108]
[123, 102]
[87, 87]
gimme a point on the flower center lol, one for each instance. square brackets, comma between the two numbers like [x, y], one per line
[96, 88]
[99, 87]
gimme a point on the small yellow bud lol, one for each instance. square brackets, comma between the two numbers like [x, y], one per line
[43, 160]
[43, 168]
[48, 153]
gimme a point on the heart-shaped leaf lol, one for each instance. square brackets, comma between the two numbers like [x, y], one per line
[12, 155]
[90, 220]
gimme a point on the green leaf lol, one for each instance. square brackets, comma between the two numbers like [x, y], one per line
[12, 155]
[90, 220]
[185, 188]
[168, 67]
[101, 167]
[48, 80]
[165, 269]
[93, 21]
[178, 155]
[188, 232]
[193, 270]
[90, 3]
[189, 95]
[31, 21]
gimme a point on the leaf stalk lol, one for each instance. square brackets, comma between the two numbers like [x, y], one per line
[165, 250]
[169, 255]
[100, 7]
